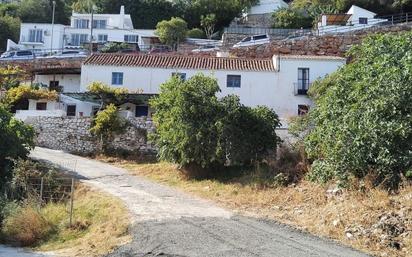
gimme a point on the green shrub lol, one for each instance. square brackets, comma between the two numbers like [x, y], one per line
[107, 124]
[114, 47]
[16, 140]
[363, 115]
[196, 33]
[289, 18]
[197, 130]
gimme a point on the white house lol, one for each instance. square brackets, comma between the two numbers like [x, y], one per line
[280, 83]
[355, 19]
[106, 28]
[261, 14]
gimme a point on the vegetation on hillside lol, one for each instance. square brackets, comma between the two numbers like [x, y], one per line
[362, 120]
[195, 128]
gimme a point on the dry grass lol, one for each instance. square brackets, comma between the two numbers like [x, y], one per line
[100, 225]
[351, 217]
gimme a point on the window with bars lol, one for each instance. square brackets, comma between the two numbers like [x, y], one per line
[233, 81]
[36, 35]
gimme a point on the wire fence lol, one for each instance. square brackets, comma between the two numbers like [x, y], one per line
[48, 188]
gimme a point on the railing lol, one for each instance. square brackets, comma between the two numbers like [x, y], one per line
[374, 24]
[269, 31]
[301, 87]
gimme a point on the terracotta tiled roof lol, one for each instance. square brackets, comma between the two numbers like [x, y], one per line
[182, 62]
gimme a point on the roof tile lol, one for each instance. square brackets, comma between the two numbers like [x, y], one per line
[183, 62]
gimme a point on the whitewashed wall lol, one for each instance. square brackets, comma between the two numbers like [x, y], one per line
[58, 32]
[272, 89]
[69, 82]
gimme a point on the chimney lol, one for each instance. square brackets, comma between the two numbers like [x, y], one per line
[121, 25]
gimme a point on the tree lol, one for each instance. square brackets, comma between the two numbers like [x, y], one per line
[208, 22]
[9, 29]
[194, 128]
[196, 33]
[291, 19]
[41, 11]
[106, 93]
[107, 124]
[11, 77]
[16, 140]
[172, 32]
[362, 120]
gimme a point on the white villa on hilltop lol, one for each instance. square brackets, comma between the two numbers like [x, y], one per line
[106, 28]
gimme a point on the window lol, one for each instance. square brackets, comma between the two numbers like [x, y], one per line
[54, 85]
[260, 37]
[41, 106]
[131, 38]
[99, 24]
[233, 81]
[71, 110]
[81, 24]
[95, 110]
[24, 53]
[303, 81]
[79, 39]
[246, 39]
[102, 38]
[36, 35]
[117, 78]
[303, 109]
[142, 111]
[363, 20]
[182, 76]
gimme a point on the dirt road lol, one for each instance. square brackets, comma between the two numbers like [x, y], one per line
[167, 222]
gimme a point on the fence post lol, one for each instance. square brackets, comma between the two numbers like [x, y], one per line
[71, 202]
[41, 190]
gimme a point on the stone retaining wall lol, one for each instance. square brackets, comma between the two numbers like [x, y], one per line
[72, 135]
[332, 45]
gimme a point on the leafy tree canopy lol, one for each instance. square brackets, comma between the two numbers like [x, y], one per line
[362, 122]
[195, 127]
[172, 32]
[9, 29]
[16, 140]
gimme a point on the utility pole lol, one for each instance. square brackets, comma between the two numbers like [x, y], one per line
[52, 29]
[91, 30]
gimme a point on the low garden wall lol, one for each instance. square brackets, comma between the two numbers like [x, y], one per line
[72, 135]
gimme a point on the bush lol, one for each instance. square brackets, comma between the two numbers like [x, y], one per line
[25, 227]
[197, 130]
[114, 47]
[107, 124]
[289, 18]
[16, 140]
[196, 33]
[363, 114]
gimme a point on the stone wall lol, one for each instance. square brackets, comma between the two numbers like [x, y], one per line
[333, 45]
[72, 135]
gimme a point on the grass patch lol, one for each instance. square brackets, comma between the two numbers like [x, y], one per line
[100, 224]
[367, 219]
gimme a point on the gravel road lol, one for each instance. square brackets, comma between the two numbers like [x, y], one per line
[167, 222]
